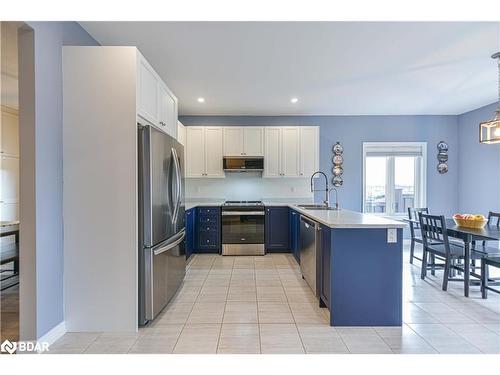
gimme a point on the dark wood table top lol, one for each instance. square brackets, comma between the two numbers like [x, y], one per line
[489, 232]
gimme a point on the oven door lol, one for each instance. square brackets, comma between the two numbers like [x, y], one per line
[243, 232]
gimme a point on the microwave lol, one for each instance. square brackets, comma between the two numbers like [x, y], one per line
[243, 164]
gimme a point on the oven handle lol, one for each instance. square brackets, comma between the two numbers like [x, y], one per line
[240, 213]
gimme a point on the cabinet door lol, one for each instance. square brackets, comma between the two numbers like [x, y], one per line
[272, 154]
[190, 231]
[277, 231]
[181, 134]
[148, 92]
[9, 133]
[309, 150]
[253, 141]
[290, 153]
[167, 110]
[195, 152]
[9, 188]
[325, 273]
[233, 141]
[295, 234]
[213, 152]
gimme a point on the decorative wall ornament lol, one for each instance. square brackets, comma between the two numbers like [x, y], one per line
[338, 160]
[442, 157]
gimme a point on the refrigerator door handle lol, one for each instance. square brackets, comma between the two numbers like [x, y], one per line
[178, 184]
[182, 235]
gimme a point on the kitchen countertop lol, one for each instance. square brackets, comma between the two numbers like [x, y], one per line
[348, 219]
[331, 218]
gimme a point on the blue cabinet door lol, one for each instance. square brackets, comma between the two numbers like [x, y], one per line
[325, 254]
[208, 230]
[190, 231]
[295, 234]
[277, 233]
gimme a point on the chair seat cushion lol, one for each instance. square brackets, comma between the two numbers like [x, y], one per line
[456, 250]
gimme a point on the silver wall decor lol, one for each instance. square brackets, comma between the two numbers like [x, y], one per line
[442, 157]
[337, 160]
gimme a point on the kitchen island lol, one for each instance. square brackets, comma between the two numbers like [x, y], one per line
[360, 267]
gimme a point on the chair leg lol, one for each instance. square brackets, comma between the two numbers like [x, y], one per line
[484, 280]
[446, 274]
[412, 250]
[433, 265]
[423, 271]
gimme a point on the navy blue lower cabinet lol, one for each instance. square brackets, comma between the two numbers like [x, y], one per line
[295, 234]
[208, 230]
[190, 231]
[365, 277]
[277, 233]
[325, 262]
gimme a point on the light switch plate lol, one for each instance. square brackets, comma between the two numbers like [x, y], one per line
[392, 235]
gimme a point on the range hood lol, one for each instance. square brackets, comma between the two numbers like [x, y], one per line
[243, 163]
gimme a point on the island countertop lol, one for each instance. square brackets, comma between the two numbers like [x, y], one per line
[348, 219]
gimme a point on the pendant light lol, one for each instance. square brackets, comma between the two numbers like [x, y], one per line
[489, 131]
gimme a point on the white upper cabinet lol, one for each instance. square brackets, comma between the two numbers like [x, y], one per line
[213, 152]
[253, 141]
[148, 92]
[272, 154]
[204, 151]
[243, 141]
[181, 134]
[156, 103]
[290, 152]
[309, 150]
[233, 141]
[195, 151]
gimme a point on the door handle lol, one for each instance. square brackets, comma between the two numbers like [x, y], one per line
[177, 184]
[170, 245]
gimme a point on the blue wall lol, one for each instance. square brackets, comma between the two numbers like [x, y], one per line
[479, 176]
[352, 131]
[48, 42]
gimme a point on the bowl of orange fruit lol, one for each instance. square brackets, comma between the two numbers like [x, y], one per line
[470, 221]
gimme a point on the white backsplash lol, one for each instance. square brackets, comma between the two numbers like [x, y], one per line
[247, 186]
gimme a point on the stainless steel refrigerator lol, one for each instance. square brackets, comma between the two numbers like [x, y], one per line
[162, 259]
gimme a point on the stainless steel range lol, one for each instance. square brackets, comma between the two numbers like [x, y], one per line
[243, 228]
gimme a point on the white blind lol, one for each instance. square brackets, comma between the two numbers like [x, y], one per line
[393, 150]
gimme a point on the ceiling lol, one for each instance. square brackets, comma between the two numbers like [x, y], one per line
[333, 68]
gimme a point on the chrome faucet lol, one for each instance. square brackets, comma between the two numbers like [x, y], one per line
[327, 200]
[336, 197]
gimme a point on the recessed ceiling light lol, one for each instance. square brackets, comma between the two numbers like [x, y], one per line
[201, 100]
[294, 100]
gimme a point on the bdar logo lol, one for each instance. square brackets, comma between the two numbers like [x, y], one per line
[8, 347]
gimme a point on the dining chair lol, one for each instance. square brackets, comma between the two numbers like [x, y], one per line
[414, 228]
[491, 221]
[485, 263]
[436, 243]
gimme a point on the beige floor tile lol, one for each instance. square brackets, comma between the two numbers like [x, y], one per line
[206, 312]
[240, 312]
[280, 339]
[198, 339]
[308, 313]
[271, 294]
[176, 313]
[72, 342]
[239, 339]
[155, 344]
[272, 312]
[112, 344]
[318, 338]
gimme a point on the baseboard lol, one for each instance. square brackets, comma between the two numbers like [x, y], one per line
[54, 334]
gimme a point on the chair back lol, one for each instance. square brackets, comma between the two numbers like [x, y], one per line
[433, 228]
[413, 214]
[492, 216]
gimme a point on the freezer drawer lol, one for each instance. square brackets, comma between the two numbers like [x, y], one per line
[165, 269]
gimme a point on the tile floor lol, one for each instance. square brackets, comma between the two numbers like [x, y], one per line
[262, 305]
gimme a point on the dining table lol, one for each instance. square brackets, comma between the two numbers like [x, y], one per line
[490, 232]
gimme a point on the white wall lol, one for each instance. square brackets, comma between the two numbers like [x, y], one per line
[247, 186]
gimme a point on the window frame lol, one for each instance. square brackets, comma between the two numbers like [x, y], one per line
[420, 177]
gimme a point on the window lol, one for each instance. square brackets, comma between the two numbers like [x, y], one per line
[394, 177]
